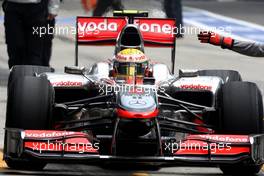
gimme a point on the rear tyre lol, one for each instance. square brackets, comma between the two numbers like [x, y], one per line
[29, 107]
[226, 75]
[242, 113]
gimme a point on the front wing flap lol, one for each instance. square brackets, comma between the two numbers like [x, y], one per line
[80, 147]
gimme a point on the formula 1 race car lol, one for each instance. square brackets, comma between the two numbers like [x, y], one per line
[131, 109]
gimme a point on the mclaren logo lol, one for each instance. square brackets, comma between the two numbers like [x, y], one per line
[137, 102]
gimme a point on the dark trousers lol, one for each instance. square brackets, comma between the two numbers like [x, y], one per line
[47, 49]
[104, 5]
[24, 47]
[173, 9]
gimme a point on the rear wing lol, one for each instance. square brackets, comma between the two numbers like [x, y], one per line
[156, 32]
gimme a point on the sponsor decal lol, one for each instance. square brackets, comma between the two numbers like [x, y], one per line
[224, 138]
[97, 25]
[47, 134]
[134, 58]
[67, 84]
[87, 27]
[195, 87]
[92, 29]
[155, 27]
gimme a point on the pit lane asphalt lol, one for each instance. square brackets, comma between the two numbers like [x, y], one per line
[190, 54]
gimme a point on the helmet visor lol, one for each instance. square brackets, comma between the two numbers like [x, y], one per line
[131, 69]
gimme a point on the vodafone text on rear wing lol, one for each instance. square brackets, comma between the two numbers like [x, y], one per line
[155, 32]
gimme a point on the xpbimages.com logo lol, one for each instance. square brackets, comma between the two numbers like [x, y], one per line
[173, 147]
[67, 147]
[105, 89]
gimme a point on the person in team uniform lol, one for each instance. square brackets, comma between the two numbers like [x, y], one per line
[243, 47]
[173, 9]
[21, 17]
[47, 50]
[100, 7]
[88, 5]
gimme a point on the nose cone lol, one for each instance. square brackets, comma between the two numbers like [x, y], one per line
[125, 114]
[137, 111]
[137, 104]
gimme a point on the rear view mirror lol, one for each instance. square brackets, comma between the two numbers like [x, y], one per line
[74, 70]
[149, 81]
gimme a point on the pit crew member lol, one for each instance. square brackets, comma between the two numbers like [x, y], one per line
[243, 47]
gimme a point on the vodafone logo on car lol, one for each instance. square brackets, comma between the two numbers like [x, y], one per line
[195, 87]
[92, 26]
[67, 84]
[154, 27]
[47, 134]
[225, 138]
[96, 27]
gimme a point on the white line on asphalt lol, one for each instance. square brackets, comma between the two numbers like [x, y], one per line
[221, 17]
[203, 26]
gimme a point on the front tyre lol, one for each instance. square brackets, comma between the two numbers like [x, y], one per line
[19, 71]
[241, 169]
[241, 108]
[242, 114]
[30, 103]
[29, 107]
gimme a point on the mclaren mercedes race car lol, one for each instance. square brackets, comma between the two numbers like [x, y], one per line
[131, 109]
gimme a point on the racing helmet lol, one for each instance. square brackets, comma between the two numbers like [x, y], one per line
[130, 62]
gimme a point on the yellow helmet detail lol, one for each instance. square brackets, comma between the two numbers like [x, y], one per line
[131, 55]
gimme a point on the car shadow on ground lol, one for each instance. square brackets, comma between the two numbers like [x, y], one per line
[120, 170]
[105, 172]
